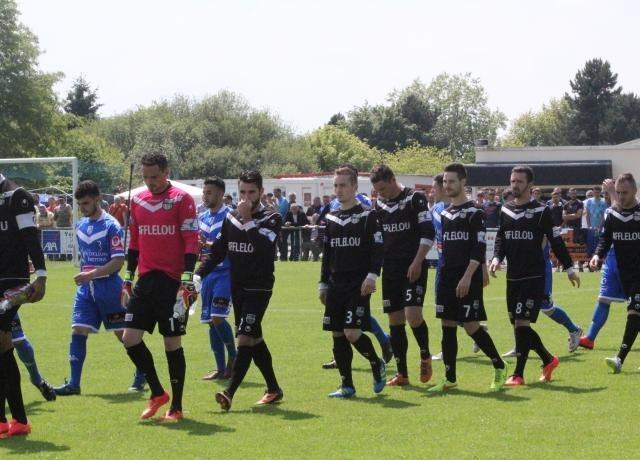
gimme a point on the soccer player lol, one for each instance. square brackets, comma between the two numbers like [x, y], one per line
[622, 231]
[248, 238]
[216, 287]
[164, 247]
[18, 243]
[524, 225]
[351, 262]
[408, 233]
[97, 300]
[611, 289]
[459, 293]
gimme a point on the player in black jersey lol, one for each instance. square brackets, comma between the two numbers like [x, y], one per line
[18, 242]
[459, 294]
[351, 262]
[248, 237]
[524, 226]
[622, 230]
[408, 234]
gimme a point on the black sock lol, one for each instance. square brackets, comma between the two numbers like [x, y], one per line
[343, 354]
[3, 397]
[483, 340]
[177, 372]
[538, 347]
[421, 333]
[449, 351]
[12, 389]
[523, 345]
[630, 333]
[240, 368]
[399, 344]
[365, 348]
[142, 358]
[262, 358]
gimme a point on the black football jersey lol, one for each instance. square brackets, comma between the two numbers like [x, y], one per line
[523, 233]
[18, 234]
[353, 244]
[250, 247]
[622, 230]
[406, 224]
[463, 235]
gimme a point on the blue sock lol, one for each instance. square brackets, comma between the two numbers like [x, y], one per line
[600, 315]
[378, 332]
[26, 355]
[217, 346]
[226, 334]
[560, 316]
[77, 354]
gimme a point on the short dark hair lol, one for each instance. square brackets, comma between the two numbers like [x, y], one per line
[86, 188]
[347, 171]
[350, 166]
[228, 196]
[277, 189]
[626, 177]
[251, 177]
[457, 168]
[215, 181]
[381, 172]
[523, 169]
[439, 179]
[155, 158]
[597, 188]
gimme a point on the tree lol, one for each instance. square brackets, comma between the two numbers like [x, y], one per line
[333, 146]
[593, 89]
[463, 114]
[547, 127]
[417, 159]
[82, 100]
[29, 121]
[622, 119]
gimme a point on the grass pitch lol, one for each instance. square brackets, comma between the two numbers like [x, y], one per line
[585, 412]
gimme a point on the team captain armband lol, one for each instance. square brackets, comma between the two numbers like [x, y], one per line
[186, 277]
[128, 276]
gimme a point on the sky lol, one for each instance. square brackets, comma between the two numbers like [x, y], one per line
[307, 60]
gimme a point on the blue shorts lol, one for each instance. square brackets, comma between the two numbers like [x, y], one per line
[216, 296]
[17, 334]
[98, 302]
[610, 285]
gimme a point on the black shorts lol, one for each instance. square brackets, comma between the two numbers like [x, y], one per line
[7, 322]
[524, 298]
[154, 296]
[449, 307]
[249, 307]
[345, 308]
[397, 291]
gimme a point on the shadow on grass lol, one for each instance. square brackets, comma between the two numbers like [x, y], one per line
[278, 410]
[193, 427]
[384, 401]
[36, 407]
[482, 360]
[121, 398]
[554, 386]
[21, 445]
[222, 384]
[504, 395]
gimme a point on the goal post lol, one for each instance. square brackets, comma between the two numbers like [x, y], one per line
[74, 178]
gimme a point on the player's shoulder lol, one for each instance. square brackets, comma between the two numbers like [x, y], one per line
[110, 221]
[19, 198]
[267, 217]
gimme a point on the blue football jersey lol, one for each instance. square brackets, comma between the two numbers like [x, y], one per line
[210, 226]
[360, 198]
[99, 241]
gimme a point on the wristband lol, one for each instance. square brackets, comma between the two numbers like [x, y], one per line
[128, 276]
[323, 286]
[41, 273]
[570, 271]
[186, 277]
[372, 276]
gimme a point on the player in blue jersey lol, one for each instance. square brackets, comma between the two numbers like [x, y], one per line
[611, 289]
[216, 286]
[97, 301]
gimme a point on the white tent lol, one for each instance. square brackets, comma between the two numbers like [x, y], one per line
[195, 192]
